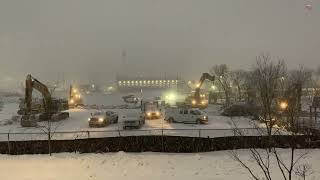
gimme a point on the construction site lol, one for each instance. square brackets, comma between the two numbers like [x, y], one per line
[145, 107]
[175, 90]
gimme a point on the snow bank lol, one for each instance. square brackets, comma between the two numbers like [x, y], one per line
[132, 166]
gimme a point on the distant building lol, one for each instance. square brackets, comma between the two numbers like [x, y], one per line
[125, 83]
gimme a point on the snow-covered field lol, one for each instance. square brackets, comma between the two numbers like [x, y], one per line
[218, 125]
[124, 166]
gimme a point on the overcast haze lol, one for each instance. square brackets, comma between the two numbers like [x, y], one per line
[85, 39]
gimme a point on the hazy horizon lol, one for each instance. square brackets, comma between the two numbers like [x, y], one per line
[84, 40]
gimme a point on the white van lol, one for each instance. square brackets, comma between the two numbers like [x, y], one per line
[185, 115]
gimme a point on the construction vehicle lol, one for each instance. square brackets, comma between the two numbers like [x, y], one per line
[150, 109]
[130, 99]
[36, 106]
[198, 100]
[75, 98]
[52, 107]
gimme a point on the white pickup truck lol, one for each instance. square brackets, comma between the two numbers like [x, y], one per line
[132, 120]
[185, 115]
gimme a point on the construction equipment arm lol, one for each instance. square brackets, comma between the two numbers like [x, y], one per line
[202, 79]
[32, 83]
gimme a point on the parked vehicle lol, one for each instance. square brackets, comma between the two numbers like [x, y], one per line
[185, 115]
[112, 117]
[133, 120]
[130, 99]
[102, 119]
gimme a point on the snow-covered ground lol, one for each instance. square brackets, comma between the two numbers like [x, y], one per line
[218, 125]
[131, 166]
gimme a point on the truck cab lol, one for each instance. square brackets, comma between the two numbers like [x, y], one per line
[150, 110]
[186, 115]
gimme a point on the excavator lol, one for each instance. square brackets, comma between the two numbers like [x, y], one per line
[75, 99]
[198, 100]
[52, 107]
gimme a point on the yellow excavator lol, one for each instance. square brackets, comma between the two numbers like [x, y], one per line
[75, 98]
[52, 107]
[198, 100]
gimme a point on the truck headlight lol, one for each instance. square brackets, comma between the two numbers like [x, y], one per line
[203, 102]
[100, 119]
[194, 102]
[89, 119]
[158, 113]
[148, 113]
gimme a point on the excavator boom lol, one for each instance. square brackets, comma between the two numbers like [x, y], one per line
[50, 107]
[196, 100]
[202, 79]
[32, 83]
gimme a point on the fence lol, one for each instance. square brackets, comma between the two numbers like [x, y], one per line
[72, 135]
[155, 140]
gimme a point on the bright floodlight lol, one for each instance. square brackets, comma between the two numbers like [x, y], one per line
[194, 102]
[283, 105]
[172, 96]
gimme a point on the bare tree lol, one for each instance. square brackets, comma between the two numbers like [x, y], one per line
[238, 78]
[304, 170]
[291, 109]
[49, 131]
[267, 76]
[260, 158]
[264, 160]
[315, 83]
[249, 87]
[222, 74]
[295, 81]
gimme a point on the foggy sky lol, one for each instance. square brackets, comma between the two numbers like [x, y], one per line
[83, 40]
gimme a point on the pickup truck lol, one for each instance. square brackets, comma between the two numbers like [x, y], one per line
[102, 119]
